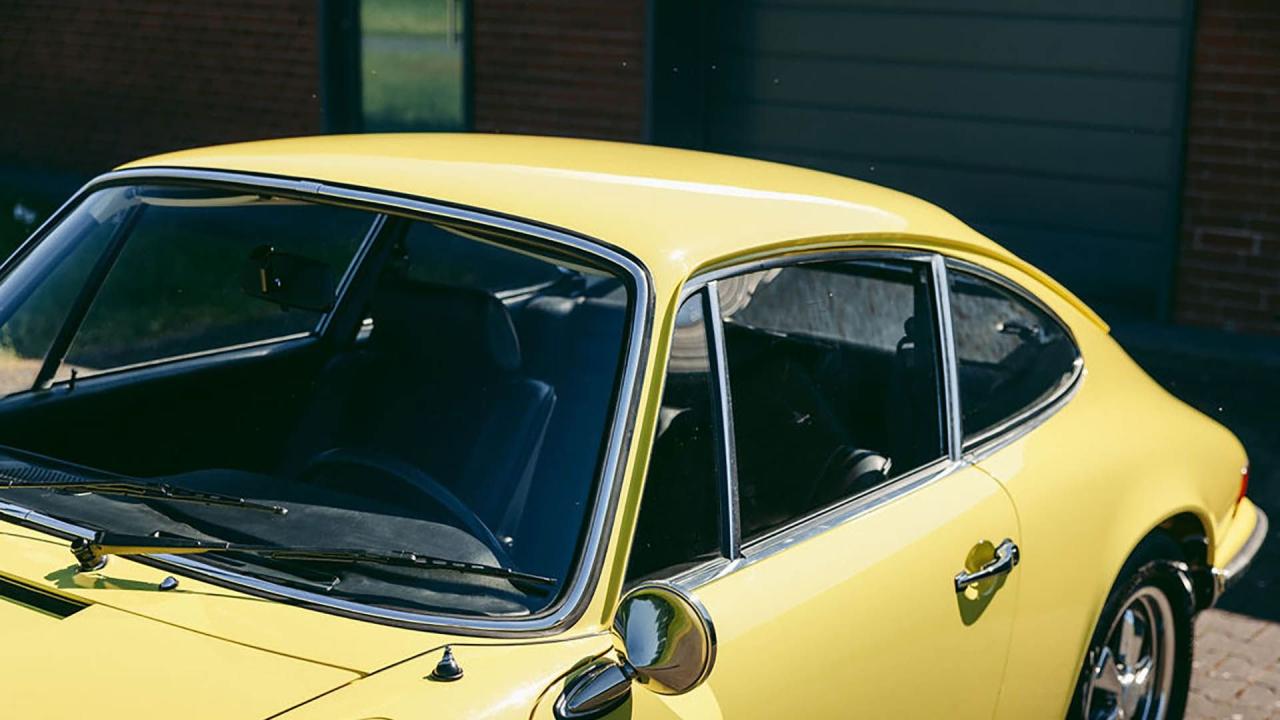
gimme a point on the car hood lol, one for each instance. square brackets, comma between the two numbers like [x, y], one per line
[113, 664]
[112, 643]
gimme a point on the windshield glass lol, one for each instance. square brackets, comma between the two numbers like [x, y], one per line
[175, 359]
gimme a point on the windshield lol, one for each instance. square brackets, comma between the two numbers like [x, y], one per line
[175, 359]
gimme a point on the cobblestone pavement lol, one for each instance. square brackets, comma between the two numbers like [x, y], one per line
[1236, 671]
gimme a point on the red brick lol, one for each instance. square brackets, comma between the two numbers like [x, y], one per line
[562, 67]
[89, 84]
[1229, 264]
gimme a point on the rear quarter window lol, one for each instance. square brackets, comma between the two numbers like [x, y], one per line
[1012, 355]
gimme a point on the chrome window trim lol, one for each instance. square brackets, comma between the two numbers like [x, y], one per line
[826, 518]
[816, 524]
[727, 451]
[959, 455]
[587, 571]
[237, 350]
[950, 364]
[1008, 431]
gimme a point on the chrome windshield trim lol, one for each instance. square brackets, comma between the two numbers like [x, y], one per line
[816, 524]
[587, 571]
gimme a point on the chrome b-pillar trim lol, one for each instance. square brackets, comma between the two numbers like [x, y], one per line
[950, 366]
[726, 452]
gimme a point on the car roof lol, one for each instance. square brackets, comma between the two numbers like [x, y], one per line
[677, 211]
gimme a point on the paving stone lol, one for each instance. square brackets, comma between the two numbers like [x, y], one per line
[1236, 671]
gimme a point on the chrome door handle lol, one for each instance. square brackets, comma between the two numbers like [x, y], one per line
[1005, 560]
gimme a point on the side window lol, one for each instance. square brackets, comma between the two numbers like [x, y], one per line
[178, 285]
[679, 514]
[834, 377]
[1011, 354]
[47, 282]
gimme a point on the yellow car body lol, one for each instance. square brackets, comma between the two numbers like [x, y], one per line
[852, 615]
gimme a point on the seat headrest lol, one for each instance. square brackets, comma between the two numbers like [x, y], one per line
[439, 325]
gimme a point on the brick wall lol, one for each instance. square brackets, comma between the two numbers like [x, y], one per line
[1229, 267]
[87, 84]
[559, 67]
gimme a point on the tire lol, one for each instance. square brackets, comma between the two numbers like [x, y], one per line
[1148, 613]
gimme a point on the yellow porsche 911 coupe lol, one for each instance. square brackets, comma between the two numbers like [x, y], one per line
[450, 426]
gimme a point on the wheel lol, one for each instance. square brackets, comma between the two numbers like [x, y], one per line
[1138, 665]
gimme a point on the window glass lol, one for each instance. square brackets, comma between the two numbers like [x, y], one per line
[46, 283]
[178, 285]
[833, 370]
[411, 56]
[679, 514]
[465, 426]
[445, 256]
[1010, 353]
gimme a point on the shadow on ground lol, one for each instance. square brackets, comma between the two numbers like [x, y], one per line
[1244, 396]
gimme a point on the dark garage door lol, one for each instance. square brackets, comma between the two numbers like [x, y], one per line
[1054, 127]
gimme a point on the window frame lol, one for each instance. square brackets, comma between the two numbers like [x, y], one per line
[998, 436]
[46, 378]
[589, 566]
[341, 68]
[735, 554]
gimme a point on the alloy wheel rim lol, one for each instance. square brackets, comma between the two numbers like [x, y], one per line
[1130, 676]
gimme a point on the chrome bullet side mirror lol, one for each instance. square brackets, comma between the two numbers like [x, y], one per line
[665, 642]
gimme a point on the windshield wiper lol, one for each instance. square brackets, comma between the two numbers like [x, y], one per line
[47, 479]
[92, 555]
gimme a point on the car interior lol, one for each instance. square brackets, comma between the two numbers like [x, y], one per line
[481, 407]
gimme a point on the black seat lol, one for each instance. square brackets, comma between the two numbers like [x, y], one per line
[439, 387]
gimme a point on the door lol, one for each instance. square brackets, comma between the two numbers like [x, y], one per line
[843, 518]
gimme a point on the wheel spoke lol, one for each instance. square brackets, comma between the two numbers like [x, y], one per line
[1131, 635]
[1106, 675]
[1142, 675]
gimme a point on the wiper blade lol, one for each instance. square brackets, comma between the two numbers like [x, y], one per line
[48, 479]
[92, 555]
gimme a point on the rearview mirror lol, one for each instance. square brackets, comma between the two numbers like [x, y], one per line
[288, 280]
[665, 642]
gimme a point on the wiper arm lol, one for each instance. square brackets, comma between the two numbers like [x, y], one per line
[47, 479]
[92, 555]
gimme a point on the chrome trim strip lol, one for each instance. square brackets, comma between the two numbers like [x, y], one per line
[950, 365]
[792, 256]
[824, 519]
[817, 524]
[958, 455]
[1001, 435]
[348, 276]
[587, 572]
[1016, 427]
[730, 511]
[1228, 575]
[230, 350]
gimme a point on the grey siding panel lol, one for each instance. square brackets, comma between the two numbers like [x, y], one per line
[1056, 126]
[992, 41]
[1130, 103]
[1110, 271]
[1086, 154]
